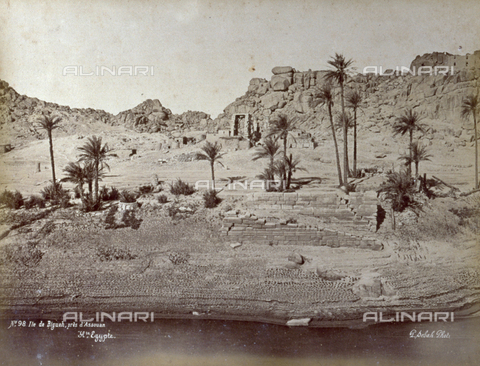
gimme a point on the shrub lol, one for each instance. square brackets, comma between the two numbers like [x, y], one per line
[109, 195]
[12, 199]
[145, 189]
[400, 189]
[34, 201]
[89, 204]
[128, 197]
[56, 195]
[211, 199]
[162, 199]
[180, 187]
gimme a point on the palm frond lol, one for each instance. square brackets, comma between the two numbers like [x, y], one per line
[409, 121]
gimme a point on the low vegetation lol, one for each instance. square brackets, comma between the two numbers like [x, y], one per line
[211, 199]
[179, 187]
[11, 199]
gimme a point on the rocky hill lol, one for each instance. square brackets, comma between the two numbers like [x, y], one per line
[18, 114]
[438, 98]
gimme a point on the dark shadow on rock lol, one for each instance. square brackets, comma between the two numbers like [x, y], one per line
[381, 214]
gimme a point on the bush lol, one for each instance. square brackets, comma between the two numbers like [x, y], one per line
[128, 197]
[89, 204]
[56, 195]
[34, 201]
[145, 189]
[400, 189]
[180, 187]
[109, 195]
[211, 199]
[162, 199]
[12, 199]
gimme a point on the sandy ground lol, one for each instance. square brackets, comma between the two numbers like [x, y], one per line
[453, 164]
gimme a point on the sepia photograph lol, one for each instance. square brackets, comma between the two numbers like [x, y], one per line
[235, 182]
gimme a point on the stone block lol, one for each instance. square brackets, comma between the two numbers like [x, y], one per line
[232, 220]
[237, 228]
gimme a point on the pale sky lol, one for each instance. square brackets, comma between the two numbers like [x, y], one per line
[204, 53]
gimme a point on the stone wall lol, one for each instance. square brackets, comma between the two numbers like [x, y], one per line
[249, 228]
[358, 209]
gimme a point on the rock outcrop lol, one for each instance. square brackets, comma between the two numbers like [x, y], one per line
[18, 114]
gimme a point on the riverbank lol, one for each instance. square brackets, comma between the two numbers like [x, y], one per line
[180, 267]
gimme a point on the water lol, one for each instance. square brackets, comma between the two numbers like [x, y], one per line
[214, 342]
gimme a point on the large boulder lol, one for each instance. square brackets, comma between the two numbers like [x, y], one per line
[281, 70]
[279, 83]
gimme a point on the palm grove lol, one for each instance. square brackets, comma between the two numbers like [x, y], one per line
[399, 187]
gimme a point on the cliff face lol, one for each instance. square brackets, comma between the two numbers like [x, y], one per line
[438, 98]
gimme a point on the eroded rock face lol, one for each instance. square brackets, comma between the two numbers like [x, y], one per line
[271, 101]
[303, 102]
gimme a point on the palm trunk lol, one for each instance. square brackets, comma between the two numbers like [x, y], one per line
[213, 175]
[90, 188]
[96, 181]
[476, 150]
[284, 158]
[409, 168]
[345, 142]
[416, 169]
[50, 140]
[355, 141]
[337, 156]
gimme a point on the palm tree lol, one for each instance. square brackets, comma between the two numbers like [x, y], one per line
[76, 175]
[50, 123]
[471, 105]
[339, 75]
[400, 189]
[281, 127]
[409, 122]
[93, 152]
[80, 175]
[354, 101]
[291, 166]
[419, 153]
[325, 94]
[211, 153]
[270, 149]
